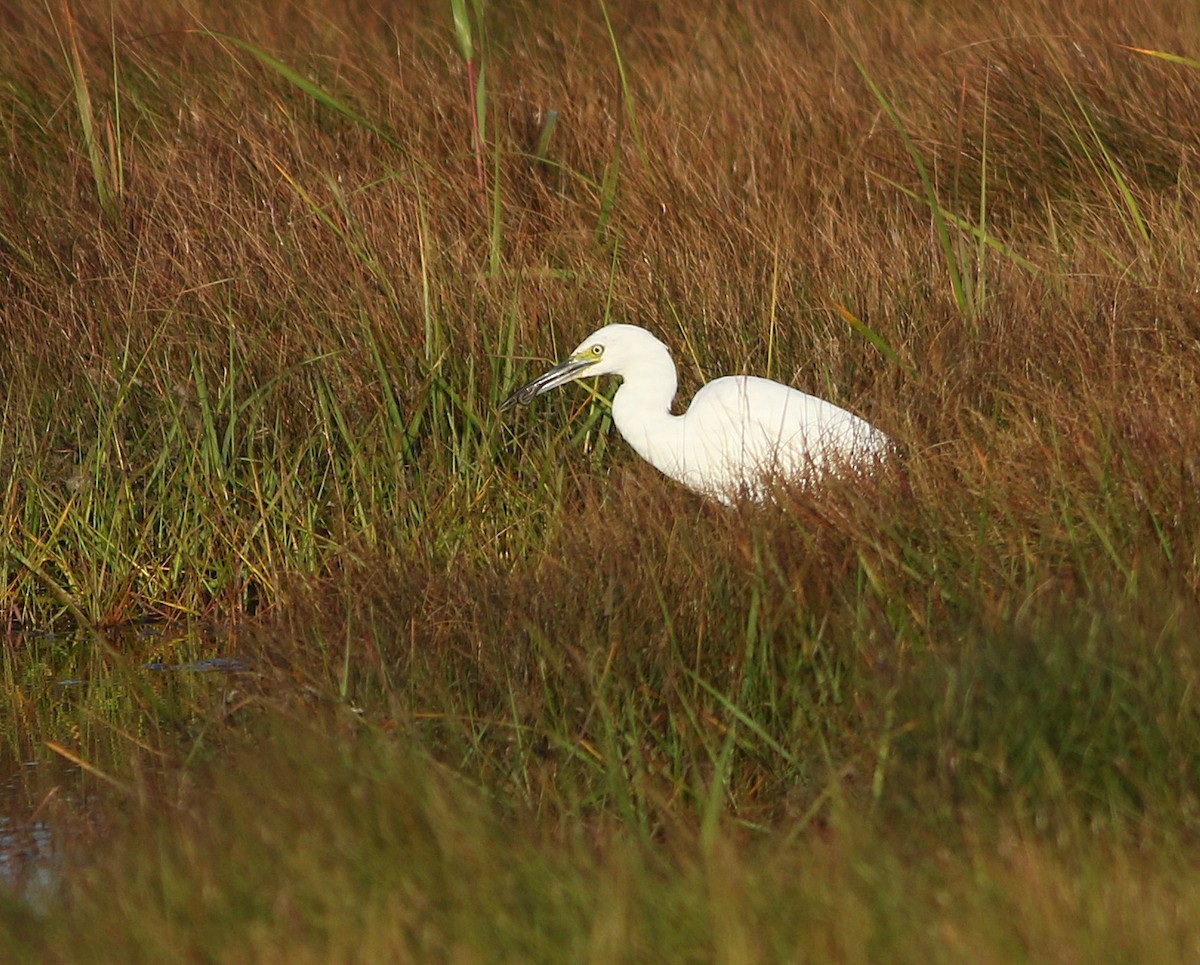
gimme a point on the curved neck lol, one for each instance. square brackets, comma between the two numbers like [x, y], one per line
[641, 410]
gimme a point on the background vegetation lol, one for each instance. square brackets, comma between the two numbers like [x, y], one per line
[491, 689]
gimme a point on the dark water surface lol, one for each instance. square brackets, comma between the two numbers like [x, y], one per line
[70, 698]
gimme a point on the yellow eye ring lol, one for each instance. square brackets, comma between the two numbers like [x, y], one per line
[597, 350]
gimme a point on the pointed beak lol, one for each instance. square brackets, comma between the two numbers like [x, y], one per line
[566, 371]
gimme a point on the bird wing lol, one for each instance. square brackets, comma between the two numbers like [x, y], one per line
[740, 429]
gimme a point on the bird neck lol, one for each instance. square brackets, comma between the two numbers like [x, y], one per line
[641, 410]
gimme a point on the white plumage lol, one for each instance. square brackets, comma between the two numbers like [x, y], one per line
[740, 432]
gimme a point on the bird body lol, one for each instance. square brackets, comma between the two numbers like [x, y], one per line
[739, 433]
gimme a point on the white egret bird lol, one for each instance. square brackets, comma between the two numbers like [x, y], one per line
[739, 433]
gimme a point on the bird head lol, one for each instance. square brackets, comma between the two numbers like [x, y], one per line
[607, 351]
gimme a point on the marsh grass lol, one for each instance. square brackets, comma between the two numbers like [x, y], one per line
[268, 273]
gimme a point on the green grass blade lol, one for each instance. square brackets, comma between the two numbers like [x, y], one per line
[931, 199]
[316, 92]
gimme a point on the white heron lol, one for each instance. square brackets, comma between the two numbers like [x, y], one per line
[739, 433]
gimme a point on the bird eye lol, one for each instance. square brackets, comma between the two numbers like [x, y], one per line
[597, 350]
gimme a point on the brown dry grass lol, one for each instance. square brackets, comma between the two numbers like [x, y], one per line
[252, 351]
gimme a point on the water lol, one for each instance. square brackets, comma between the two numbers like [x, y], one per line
[31, 863]
[67, 695]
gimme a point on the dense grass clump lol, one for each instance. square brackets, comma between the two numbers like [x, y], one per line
[489, 688]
